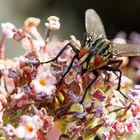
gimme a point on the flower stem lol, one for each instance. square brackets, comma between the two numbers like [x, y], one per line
[47, 36]
[2, 47]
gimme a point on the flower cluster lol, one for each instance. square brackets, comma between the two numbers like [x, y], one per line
[34, 104]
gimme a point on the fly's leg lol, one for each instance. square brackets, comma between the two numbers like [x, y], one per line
[117, 63]
[84, 70]
[115, 69]
[64, 136]
[58, 55]
[90, 84]
[68, 69]
[87, 60]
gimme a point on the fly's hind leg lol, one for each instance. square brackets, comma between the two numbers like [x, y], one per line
[114, 70]
[64, 136]
[117, 63]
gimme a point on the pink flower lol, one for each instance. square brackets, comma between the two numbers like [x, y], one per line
[118, 128]
[135, 96]
[70, 77]
[52, 25]
[20, 99]
[116, 100]
[30, 26]
[33, 40]
[131, 125]
[135, 110]
[106, 120]
[99, 111]
[19, 35]
[8, 30]
[106, 136]
[99, 95]
[26, 44]
[10, 131]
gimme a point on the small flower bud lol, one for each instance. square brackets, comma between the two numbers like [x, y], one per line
[30, 22]
[53, 23]
[8, 29]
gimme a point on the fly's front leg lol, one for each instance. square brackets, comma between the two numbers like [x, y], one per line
[90, 84]
[68, 69]
[59, 54]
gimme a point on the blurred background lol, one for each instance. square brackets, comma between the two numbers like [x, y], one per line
[117, 15]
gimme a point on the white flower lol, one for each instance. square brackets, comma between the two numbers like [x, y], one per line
[43, 85]
[8, 29]
[44, 82]
[28, 132]
[28, 127]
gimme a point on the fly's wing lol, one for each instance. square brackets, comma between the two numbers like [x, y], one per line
[93, 23]
[126, 49]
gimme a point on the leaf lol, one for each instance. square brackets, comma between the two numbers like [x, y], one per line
[76, 108]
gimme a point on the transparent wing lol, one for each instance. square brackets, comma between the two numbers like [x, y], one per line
[126, 49]
[93, 23]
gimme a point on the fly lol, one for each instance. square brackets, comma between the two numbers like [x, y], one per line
[97, 52]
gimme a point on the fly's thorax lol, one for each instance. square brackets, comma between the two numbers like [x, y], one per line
[104, 52]
[100, 53]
